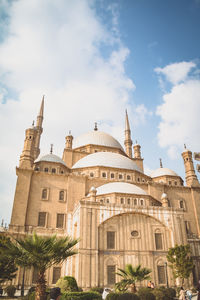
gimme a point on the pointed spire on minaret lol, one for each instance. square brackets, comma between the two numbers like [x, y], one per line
[161, 165]
[95, 126]
[51, 149]
[39, 129]
[41, 112]
[128, 142]
[127, 126]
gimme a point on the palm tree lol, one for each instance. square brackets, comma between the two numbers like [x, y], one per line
[42, 253]
[130, 275]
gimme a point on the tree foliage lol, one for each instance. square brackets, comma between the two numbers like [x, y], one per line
[130, 275]
[180, 261]
[7, 265]
[67, 284]
[41, 253]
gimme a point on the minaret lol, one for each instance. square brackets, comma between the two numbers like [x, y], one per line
[137, 150]
[128, 142]
[190, 176]
[27, 156]
[68, 141]
[39, 129]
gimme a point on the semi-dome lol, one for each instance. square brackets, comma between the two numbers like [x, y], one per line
[120, 187]
[163, 172]
[106, 159]
[51, 158]
[96, 138]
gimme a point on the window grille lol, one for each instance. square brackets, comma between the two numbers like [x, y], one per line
[60, 221]
[61, 196]
[42, 219]
[35, 275]
[110, 240]
[158, 241]
[56, 274]
[161, 274]
[44, 194]
[111, 274]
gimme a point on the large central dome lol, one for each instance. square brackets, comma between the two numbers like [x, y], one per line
[120, 187]
[106, 159]
[96, 138]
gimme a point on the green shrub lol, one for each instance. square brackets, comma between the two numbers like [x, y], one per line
[146, 294]
[113, 296]
[67, 284]
[128, 296]
[10, 290]
[122, 296]
[81, 296]
[30, 296]
[97, 289]
[171, 293]
[158, 294]
[163, 293]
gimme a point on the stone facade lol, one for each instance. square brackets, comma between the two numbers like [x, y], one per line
[119, 214]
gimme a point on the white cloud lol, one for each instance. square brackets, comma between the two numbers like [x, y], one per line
[176, 72]
[179, 114]
[55, 48]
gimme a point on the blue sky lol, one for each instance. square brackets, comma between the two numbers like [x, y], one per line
[92, 60]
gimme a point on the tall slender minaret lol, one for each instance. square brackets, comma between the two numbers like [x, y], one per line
[128, 142]
[39, 129]
[31, 148]
[190, 175]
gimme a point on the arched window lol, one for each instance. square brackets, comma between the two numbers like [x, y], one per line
[158, 240]
[61, 195]
[53, 170]
[128, 177]
[135, 201]
[91, 174]
[161, 274]
[120, 176]
[46, 170]
[181, 204]
[122, 200]
[44, 194]
[104, 175]
[111, 270]
[128, 201]
[110, 239]
[112, 175]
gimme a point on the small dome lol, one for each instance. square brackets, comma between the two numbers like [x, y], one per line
[163, 172]
[106, 159]
[120, 187]
[96, 138]
[51, 158]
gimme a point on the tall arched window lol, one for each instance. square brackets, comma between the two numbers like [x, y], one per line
[161, 274]
[158, 240]
[61, 196]
[44, 194]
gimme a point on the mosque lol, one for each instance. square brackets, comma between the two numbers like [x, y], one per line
[98, 192]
